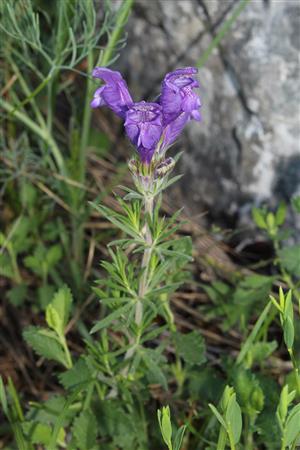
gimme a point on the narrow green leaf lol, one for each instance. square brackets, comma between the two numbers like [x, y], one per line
[3, 398]
[289, 332]
[111, 317]
[179, 437]
[218, 415]
[250, 339]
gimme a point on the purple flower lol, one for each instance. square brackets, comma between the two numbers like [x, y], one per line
[151, 126]
[143, 126]
[178, 95]
[113, 94]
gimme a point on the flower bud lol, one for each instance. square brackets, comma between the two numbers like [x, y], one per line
[164, 168]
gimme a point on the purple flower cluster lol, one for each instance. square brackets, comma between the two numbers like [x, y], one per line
[151, 127]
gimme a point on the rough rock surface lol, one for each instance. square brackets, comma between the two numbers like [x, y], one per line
[247, 149]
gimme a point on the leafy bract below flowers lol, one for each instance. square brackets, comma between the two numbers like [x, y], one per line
[151, 126]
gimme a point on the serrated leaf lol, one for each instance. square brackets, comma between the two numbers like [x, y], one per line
[191, 347]
[155, 372]
[62, 302]
[6, 269]
[17, 294]
[53, 319]
[85, 430]
[79, 373]
[44, 343]
[37, 433]
[260, 351]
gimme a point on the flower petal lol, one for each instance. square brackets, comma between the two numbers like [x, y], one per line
[150, 135]
[173, 130]
[115, 93]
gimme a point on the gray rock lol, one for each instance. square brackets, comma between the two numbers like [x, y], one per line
[247, 149]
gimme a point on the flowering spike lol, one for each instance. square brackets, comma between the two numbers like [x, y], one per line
[151, 127]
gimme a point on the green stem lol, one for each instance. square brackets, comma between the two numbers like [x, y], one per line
[122, 18]
[249, 341]
[63, 342]
[295, 368]
[231, 439]
[223, 31]
[221, 445]
[249, 433]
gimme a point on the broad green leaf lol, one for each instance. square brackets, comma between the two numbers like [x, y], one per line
[53, 319]
[288, 306]
[258, 218]
[292, 428]
[80, 373]
[191, 347]
[233, 418]
[37, 433]
[164, 420]
[62, 302]
[85, 430]
[53, 255]
[289, 332]
[44, 343]
[290, 259]
[296, 203]
[280, 214]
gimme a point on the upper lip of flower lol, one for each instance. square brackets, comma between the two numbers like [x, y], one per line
[182, 78]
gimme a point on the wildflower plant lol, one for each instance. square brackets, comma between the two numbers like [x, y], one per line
[145, 263]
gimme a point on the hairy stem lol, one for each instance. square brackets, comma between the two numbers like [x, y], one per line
[145, 263]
